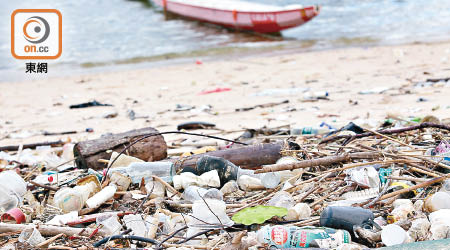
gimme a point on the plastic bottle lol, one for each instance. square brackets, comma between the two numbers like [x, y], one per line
[361, 195]
[346, 218]
[12, 190]
[309, 131]
[138, 170]
[102, 196]
[194, 193]
[228, 171]
[302, 237]
[315, 95]
[73, 199]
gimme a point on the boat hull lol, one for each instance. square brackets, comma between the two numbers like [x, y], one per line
[262, 22]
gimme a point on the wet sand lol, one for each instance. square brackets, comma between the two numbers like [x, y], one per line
[154, 93]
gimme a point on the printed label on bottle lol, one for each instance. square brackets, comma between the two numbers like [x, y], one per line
[279, 235]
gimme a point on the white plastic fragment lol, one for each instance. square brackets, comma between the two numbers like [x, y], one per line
[102, 196]
[393, 235]
[299, 211]
[32, 236]
[186, 179]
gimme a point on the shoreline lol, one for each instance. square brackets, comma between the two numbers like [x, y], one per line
[151, 92]
[208, 55]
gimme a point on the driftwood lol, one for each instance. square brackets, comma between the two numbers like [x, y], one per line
[325, 161]
[387, 131]
[31, 145]
[153, 148]
[249, 157]
[48, 230]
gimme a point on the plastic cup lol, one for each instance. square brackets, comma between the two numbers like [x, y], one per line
[393, 235]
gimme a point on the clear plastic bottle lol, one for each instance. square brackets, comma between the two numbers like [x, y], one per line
[73, 199]
[138, 170]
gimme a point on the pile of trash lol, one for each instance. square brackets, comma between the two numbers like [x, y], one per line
[347, 188]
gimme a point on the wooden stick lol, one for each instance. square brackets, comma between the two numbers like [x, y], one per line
[392, 139]
[324, 161]
[47, 242]
[180, 205]
[405, 178]
[167, 185]
[388, 131]
[421, 185]
[48, 230]
[32, 145]
[44, 186]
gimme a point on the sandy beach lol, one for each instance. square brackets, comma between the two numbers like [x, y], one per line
[43, 105]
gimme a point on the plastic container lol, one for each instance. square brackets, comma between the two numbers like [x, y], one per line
[102, 196]
[437, 201]
[282, 199]
[8, 201]
[393, 235]
[120, 180]
[229, 188]
[227, 170]
[299, 211]
[309, 131]
[419, 229]
[210, 211]
[136, 224]
[315, 95]
[110, 224]
[32, 236]
[187, 179]
[361, 195]
[281, 237]
[12, 190]
[346, 218]
[365, 176]
[194, 193]
[402, 209]
[73, 199]
[248, 183]
[268, 180]
[446, 186]
[138, 170]
[155, 189]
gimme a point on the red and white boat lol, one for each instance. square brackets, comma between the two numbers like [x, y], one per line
[241, 15]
